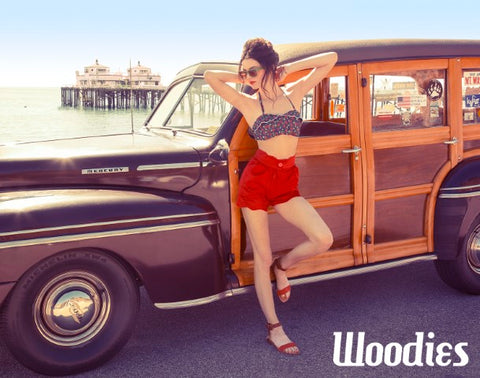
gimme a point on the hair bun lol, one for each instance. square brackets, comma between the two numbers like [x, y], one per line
[261, 50]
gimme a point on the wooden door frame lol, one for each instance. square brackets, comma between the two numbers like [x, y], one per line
[243, 147]
[415, 137]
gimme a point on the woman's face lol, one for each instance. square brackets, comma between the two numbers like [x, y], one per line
[252, 73]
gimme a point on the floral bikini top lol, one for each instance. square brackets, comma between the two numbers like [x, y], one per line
[268, 125]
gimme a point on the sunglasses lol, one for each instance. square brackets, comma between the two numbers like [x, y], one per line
[252, 72]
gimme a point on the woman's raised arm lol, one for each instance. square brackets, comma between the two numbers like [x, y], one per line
[320, 64]
[219, 80]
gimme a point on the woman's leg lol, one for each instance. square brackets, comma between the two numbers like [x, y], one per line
[301, 214]
[257, 227]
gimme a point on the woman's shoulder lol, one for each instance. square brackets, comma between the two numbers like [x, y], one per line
[250, 106]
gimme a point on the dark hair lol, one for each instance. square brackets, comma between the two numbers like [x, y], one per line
[262, 51]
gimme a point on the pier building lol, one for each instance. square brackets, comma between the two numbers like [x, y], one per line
[98, 88]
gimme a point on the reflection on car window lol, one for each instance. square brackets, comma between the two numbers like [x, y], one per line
[408, 100]
[169, 100]
[199, 109]
[471, 97]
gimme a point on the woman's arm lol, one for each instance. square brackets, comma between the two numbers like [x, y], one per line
[218, 81]
[321, 64]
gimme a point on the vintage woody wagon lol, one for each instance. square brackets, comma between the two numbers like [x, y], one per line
[389, 156]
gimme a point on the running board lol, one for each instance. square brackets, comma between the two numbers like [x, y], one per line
[301, 281]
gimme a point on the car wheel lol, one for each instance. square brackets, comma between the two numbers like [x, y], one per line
[71, 312]
[463, 273]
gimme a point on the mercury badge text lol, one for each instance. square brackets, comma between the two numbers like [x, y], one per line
[93, 171]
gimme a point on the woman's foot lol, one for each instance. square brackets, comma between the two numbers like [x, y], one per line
[278, 338]
[283, 287]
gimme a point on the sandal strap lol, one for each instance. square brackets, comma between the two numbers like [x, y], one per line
[271, 326]
[284, 347]
[284, 291]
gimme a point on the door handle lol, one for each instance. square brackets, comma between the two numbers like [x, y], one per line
[454, 140]
[355, 150]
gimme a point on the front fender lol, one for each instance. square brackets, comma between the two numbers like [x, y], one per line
[457, 206]
[171, 240]
[51, 213]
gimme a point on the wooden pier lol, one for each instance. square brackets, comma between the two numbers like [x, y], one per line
[110, 98]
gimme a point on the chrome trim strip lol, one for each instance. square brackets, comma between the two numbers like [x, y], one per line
[299, 281]
[96, 224]
[157, 167]
[460, 195]
[105, 234]
[460, 188]
[362, 269]
[194, 302]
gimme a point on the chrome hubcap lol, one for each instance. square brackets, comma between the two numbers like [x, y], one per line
[473, 250]
[72, 308]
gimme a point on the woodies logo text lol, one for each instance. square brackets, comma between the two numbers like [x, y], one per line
[423, 351]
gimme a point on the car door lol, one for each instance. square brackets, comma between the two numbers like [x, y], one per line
[408, 141]
[330, 162]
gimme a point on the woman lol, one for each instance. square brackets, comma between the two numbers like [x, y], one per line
[271, 177]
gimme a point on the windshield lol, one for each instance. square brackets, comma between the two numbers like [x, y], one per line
[197, 109]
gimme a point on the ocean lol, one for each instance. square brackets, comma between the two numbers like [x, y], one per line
[34, 114]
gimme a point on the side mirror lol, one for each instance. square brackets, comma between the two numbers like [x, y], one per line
[219, 154]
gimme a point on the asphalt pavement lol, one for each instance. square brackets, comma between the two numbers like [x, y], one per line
[410, 322]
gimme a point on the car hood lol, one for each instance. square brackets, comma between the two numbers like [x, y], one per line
[164, 161]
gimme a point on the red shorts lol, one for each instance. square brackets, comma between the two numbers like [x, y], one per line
[267, 181]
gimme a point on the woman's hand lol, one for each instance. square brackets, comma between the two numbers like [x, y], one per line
[281, 73]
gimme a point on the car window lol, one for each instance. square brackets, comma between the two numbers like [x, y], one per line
[197, 109]
[169, 100]
[332, 113]
[337, 99]
[408, 100]
[306, 109]
[471, 96]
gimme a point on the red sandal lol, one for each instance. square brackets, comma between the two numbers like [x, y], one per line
[283, 294]
[281, 348]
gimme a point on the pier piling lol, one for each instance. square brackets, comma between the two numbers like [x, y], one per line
[110, 98]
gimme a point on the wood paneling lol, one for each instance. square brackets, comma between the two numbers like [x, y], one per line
[400, 218]
[471, 135]
[471, 132]
[323, 145]
[398, 249]
[406, 138]
[407, 166]
[324, 175]
[471, 145]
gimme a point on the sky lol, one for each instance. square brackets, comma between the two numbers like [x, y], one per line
[43, 43]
